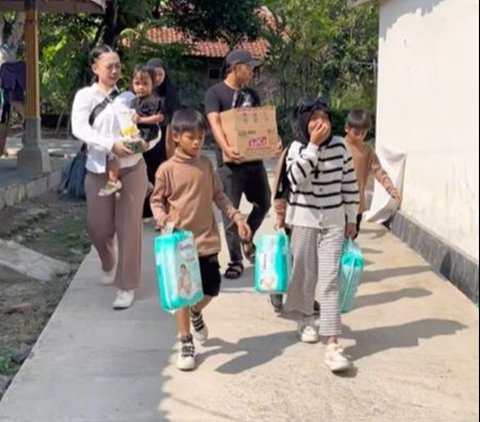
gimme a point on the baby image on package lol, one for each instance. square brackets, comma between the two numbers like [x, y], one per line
[178, 271]
[273, 262]
[128, 129]
[185, 285]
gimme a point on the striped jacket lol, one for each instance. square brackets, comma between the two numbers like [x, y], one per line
[323, 189]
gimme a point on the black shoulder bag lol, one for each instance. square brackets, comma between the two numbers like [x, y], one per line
[73, 180]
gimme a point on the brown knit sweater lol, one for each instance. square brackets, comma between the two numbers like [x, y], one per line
[185, 190]
[366, 163]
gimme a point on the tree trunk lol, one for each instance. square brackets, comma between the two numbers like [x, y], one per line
[110, 37]
[59, 123]
[69, 127]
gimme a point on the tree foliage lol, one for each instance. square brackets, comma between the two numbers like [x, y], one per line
[65, 42]
[213, 19]
[322, 48]
[123, 14]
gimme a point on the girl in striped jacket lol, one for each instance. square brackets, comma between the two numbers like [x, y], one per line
[319, 183]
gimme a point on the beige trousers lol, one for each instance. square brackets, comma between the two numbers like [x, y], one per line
[122, 215]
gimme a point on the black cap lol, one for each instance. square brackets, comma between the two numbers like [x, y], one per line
[242, 56]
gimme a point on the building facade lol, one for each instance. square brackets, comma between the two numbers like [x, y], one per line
[428, 107]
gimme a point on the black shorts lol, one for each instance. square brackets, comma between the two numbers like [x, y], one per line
[211, 277]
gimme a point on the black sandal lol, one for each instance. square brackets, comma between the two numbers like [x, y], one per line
[234, 270]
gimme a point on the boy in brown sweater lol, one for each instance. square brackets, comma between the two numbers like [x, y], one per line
[365, 160]
[185, 187]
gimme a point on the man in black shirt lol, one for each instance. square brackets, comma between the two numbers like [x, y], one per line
[238, 177]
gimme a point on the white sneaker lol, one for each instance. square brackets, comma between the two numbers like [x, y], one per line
[109, 276]
[308, 331]
[186, 358]
[335, 359]
[124, 299]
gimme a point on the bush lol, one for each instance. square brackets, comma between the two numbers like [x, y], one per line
[338, 121]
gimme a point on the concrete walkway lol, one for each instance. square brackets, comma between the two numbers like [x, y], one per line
[413, 336]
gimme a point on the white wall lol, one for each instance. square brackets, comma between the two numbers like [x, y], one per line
[428, 105]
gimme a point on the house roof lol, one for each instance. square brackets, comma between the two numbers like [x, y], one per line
[214, 49]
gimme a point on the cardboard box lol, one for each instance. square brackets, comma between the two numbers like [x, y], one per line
[252, 131]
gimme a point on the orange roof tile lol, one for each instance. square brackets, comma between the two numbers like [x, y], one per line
[216, 49]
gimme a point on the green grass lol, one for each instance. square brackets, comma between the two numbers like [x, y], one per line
[7, 367]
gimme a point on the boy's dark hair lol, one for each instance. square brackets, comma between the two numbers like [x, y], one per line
[188, 120]
[359, 118]
[144, 70]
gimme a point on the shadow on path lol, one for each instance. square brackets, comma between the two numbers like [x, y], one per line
[257, 351]
[376, 340]
[379, 275]
[387, 297]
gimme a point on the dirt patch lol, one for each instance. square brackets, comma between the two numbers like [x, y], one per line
[55, 227]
